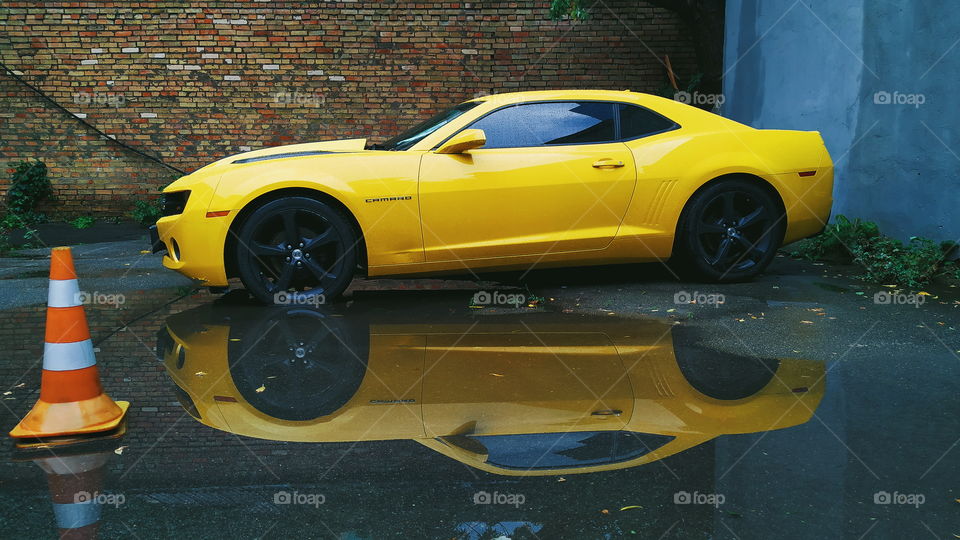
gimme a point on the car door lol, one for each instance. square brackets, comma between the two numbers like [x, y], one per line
[523, 380]
[551, 178]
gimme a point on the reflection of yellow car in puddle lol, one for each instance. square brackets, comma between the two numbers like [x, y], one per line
[532, 394]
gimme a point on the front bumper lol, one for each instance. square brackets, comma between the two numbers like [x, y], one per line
[156, 246]
[194, 246]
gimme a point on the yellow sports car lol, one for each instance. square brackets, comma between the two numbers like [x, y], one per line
[501, 182]
[531, 395]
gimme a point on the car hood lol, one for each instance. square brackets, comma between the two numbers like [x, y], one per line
[290, 150]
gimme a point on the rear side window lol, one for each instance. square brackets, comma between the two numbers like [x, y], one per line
[552, 123]
[639, 122]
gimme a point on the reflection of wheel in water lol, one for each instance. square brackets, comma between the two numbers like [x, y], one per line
[718, 374]
[298, 364]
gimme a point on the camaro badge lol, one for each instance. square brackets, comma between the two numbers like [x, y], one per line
[381, 199]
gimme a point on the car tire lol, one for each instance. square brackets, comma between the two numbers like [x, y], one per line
[296, 250]
[729, 231]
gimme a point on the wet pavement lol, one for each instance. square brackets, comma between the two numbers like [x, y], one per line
[589, 403]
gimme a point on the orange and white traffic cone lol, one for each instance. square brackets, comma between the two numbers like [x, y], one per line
[72, 402]
[76, 484]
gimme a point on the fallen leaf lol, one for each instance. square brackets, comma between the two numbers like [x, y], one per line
[807, 322]
[497, 374]
[604, 511]
[144, 251]
[261, 389]
[120, 449]
[631, 507]
[200, 373]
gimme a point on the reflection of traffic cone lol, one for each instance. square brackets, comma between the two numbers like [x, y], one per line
[75, 484]
[71, 400]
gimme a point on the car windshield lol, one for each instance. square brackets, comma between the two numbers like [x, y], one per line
[412, 136]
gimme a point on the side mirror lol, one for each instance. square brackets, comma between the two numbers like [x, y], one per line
[467, 139]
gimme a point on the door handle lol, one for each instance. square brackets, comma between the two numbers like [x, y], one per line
[607, 412]
[607, 164]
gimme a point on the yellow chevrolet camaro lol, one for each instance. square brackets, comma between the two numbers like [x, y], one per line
[503, 182]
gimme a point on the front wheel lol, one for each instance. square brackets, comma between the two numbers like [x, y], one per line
[296, 250]
[730, 231]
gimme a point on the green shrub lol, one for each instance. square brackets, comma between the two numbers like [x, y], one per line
[883, 259]
[28, 187]
[146, 212]
[887, 260]
[838, 240]
[82, 222]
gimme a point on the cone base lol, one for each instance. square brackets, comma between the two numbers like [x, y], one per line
[58, 419]
[31, 448]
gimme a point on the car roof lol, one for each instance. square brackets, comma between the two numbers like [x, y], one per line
[675, 110]
[535, 95]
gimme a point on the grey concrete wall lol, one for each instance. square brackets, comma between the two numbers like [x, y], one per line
[875, 78]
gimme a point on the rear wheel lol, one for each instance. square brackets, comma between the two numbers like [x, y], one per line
[296, 250]
[730, 231]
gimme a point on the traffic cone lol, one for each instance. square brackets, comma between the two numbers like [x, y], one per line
[76, 484]
[72, 402]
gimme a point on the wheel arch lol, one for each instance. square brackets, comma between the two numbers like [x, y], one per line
[753, 178]
[229, 261]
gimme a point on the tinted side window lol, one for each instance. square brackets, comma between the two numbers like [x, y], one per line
[637, 122]
[537, 124]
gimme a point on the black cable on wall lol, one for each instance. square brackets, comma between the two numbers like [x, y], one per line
[83, 121]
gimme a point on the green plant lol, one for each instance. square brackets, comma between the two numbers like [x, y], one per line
[28, 187]
[82, 222]
[887, 260]
[146, 212]
[883, 259]
[838, 240]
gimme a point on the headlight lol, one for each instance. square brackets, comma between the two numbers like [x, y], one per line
[173, 203]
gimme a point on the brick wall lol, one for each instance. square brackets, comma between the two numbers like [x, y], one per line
[190, 82]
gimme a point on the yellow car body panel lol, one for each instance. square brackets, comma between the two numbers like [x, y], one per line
[440, 383]
[423, 212]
